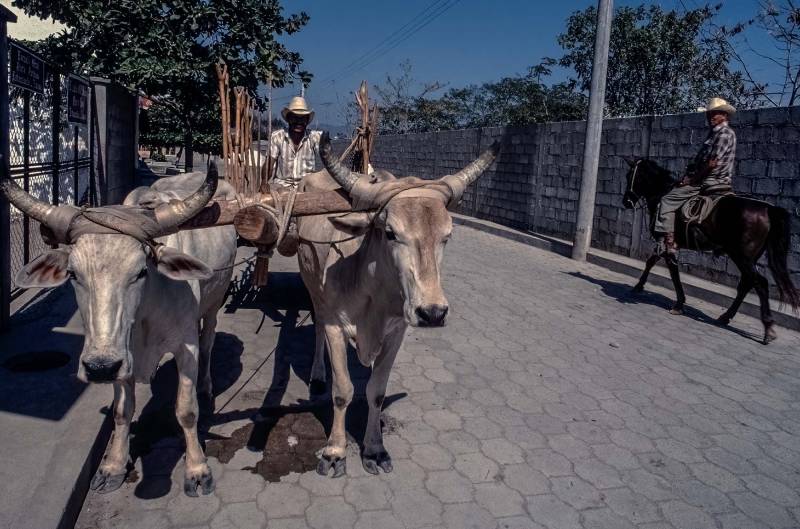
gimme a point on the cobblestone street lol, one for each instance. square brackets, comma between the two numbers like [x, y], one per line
[551, 399]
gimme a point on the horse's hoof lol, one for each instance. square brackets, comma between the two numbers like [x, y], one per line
[638, 289]
[769, 334]
[724, 320]
[676, 311]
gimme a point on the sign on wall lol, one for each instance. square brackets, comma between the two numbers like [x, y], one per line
[27, 70]
[78, 101]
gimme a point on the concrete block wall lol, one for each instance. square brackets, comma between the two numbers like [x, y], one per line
[535, 183]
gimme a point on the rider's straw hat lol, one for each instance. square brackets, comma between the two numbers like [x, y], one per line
[299, 107]
[717, 104]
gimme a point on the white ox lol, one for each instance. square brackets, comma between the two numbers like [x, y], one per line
[141, 296]
[382, 276]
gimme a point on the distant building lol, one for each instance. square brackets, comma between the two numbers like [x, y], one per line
[30, 28]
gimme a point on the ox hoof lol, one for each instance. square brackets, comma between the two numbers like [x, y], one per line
[103, 482]
[724, 320]
[769, 334]
[373, 462]
[638, 289]
[204, 481]
[676, 310]
[338, 464]
[317, 389]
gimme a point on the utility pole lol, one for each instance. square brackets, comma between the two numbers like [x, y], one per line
[594, 128]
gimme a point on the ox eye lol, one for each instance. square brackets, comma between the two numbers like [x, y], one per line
[390, 234]
[141, 274]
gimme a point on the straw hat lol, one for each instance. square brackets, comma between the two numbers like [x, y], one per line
[717, 104]
[299, 107]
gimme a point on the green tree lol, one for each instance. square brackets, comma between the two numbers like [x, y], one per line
[659, 61]
[168, 50]
[518, 100]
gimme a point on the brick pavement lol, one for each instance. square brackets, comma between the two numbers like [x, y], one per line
[550, 400]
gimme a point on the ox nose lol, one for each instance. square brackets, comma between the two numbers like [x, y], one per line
[102, 370]
[432, 315]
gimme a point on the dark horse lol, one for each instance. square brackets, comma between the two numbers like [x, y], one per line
[740, 227]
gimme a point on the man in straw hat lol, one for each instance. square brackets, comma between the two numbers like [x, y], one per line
[713, 165]
[292, 154]
[293, 150]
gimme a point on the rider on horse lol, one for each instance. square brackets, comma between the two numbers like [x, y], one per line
[712, 166]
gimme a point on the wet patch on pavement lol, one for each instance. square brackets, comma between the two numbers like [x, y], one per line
[291, 439]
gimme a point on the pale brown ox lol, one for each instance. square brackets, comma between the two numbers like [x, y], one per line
[383, 276]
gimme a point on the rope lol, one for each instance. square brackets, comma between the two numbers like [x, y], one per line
[287, 213]
[375, 214]
[234, 265]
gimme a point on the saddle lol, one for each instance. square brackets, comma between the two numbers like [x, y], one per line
[694, 213]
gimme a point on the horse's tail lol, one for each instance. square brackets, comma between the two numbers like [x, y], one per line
[777, 253]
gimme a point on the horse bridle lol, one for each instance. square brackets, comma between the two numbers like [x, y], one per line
[633, 181]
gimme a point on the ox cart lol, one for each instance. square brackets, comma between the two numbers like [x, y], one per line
[149, 282]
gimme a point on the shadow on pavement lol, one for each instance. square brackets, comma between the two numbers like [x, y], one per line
[38, 361]
[289, 436]
[623, 293]
[156, 437]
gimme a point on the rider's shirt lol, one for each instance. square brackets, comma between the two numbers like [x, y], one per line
[294, 161]
[720, 145]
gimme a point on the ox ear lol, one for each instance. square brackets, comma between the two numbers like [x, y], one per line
[47, 270]
[181, 267]
[352, 223]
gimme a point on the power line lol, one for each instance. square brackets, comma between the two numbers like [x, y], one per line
[399, 30]
[389, 43]
[378, 52]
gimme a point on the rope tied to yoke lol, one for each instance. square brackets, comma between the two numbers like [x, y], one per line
[280, 213]
[375, 197]
[134, 221]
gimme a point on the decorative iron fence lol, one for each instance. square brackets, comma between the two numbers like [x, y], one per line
[50, 137]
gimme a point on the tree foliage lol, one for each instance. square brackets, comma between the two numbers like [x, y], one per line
[659, 61]
[518, 100]
[168, 49]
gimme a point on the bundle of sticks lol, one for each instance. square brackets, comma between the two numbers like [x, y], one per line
[361, 146]
[241, 163]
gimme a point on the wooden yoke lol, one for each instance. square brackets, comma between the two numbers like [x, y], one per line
[224, 212]
[256, 225]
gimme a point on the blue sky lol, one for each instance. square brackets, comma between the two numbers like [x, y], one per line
[473, 41]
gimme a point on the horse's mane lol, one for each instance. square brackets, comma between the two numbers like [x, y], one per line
[659, 171]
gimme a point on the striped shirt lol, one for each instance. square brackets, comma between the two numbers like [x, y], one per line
[720, 145]
[293, 161]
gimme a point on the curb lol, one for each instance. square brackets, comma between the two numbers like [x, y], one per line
[693, 286]
[77, 496]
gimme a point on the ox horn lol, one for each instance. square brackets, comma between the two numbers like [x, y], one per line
[343, 176]
[56, 218]
[459, 181]
[177, 212]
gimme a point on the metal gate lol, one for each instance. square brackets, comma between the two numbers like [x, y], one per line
[50, 137]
